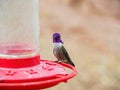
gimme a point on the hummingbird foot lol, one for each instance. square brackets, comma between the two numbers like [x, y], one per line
[56, 61]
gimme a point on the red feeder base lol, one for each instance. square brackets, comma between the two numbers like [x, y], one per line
[32, 74]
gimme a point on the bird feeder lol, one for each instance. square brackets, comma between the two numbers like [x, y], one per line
[21, 67]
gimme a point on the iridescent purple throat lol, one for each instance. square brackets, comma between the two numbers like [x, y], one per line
[57, 41]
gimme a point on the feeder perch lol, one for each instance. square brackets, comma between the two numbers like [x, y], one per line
[21, 67]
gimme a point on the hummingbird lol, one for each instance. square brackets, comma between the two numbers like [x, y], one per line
[59, 51]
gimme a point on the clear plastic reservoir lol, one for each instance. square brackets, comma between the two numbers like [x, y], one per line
[19, 28]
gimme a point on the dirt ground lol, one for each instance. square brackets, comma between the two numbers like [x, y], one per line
[91, 35]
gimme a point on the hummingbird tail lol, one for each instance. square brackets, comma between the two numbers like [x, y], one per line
[71, 63]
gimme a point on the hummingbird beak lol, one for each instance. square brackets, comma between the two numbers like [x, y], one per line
[62, 42]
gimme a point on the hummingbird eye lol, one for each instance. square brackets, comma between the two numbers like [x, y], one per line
[57, 36]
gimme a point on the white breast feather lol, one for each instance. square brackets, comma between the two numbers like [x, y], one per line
[57, 44]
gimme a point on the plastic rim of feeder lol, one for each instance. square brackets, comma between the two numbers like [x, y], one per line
[32, 73]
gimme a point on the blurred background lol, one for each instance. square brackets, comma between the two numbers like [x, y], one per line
[90, 30]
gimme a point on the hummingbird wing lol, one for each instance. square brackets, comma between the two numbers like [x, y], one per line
[66, 55]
